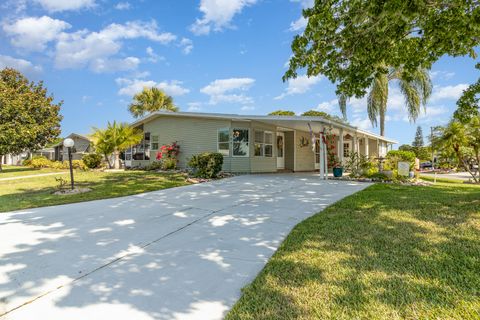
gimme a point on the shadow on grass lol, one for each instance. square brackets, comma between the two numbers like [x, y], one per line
[386, 252]
[103, 186]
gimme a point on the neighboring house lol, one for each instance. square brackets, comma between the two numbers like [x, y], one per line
[14, 159]
[83, 145]
[48, 153]
[249, 143]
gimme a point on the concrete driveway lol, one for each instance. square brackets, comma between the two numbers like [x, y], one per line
[180, 253]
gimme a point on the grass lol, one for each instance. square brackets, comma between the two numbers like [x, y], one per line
[38, 191]
[16, 171]
[387, 252]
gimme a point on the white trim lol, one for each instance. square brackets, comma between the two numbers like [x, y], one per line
[294, 150]
[282, 134]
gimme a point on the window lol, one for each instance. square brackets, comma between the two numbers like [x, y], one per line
[155, 144]
[240, 142]
[223, 138]
[142, 150]
[263, 144]
[346, 149]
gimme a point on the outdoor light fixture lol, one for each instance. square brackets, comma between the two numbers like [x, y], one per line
[68, 143]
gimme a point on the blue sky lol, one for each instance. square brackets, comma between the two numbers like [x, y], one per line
[224, 56]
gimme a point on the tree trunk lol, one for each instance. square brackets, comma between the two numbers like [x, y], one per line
[465, 164]
[383, 110]
[1, 161]
[108, 161]
[116, 155]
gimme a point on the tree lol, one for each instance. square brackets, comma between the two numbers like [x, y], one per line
[29, 119]
[282, 113]
[468, 104]
[463, 140]
[151, 100]
[418, 141]
[415, 90]
[315, 113]
[117, 137]
[351, 41]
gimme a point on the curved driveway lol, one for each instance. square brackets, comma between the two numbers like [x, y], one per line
[181, 253]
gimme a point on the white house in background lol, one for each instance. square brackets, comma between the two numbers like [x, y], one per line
[82, 145]
[250, 143]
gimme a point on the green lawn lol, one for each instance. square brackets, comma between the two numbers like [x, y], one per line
[388, 252]
[16, 171]
[38, 191]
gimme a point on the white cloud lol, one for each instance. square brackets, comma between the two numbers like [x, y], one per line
[194, 106]
[152, 56]
[21, 65]
[301, 22]
[92, 49]
[217, 14]
[223, 90]
[129, 87]
[448, 92]
[247, 108]
[299, 85]
[33, 33]
[362, 123]
[187, 45]
[443, 75]
[327, 106]
[65, 5]
[123, 6]
[111, 65]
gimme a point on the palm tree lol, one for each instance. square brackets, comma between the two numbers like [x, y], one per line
[416, 91]
[116, 138]
[151, 100]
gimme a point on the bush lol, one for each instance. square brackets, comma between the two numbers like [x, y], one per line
[155, 165]
[358, 165]
[169, 164]
[379, 176]
[394, 156]
[92, 160]
[207, 165]
[39, 162]
[77, 164]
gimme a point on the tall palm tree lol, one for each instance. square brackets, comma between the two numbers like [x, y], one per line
[116, 138]
[416, 91]
[151, 100]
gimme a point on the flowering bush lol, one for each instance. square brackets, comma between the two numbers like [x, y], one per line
[332, 158]
[168, 156]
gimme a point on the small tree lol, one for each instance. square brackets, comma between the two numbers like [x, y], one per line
[151, 100]
[418, 141]
[282, 113]
[117, 137]
[29, 119]
[315, 113]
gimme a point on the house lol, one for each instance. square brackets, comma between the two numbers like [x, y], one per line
[82, 145]
[14, 159]
[250, 144]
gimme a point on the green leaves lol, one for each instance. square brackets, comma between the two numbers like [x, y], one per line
[468, 105]
[151, 100]
[29, 119]
[350, 41]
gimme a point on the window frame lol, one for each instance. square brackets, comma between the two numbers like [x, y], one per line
[248, 142]
[153, 142]
[229, 142]
[263, 144]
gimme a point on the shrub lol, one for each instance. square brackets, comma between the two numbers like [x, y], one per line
[40, 162]
[27, 162]
[155, 165]
[394, 156]
[207, 165]
[92, 160]
[379, 176]
[169, 164]
[358, 164]
[77, 164]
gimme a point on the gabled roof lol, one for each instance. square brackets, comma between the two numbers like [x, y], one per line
[294, 122]
[72, 135]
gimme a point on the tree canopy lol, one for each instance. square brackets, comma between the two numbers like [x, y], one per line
[315, 113]
[352, 41]
[282, 113]
[116, 138]
[468, 104]
[418, 141]
[151, 100]
[29, 118]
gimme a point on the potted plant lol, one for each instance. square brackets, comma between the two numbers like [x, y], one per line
[337, 168]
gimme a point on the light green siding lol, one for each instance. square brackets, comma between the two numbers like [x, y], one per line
[304, 155]
[197, 135]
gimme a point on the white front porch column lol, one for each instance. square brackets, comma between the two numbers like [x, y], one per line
[340, 146]
[367, 151]
[354, 143]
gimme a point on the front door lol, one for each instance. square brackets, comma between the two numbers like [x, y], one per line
[280, 150]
